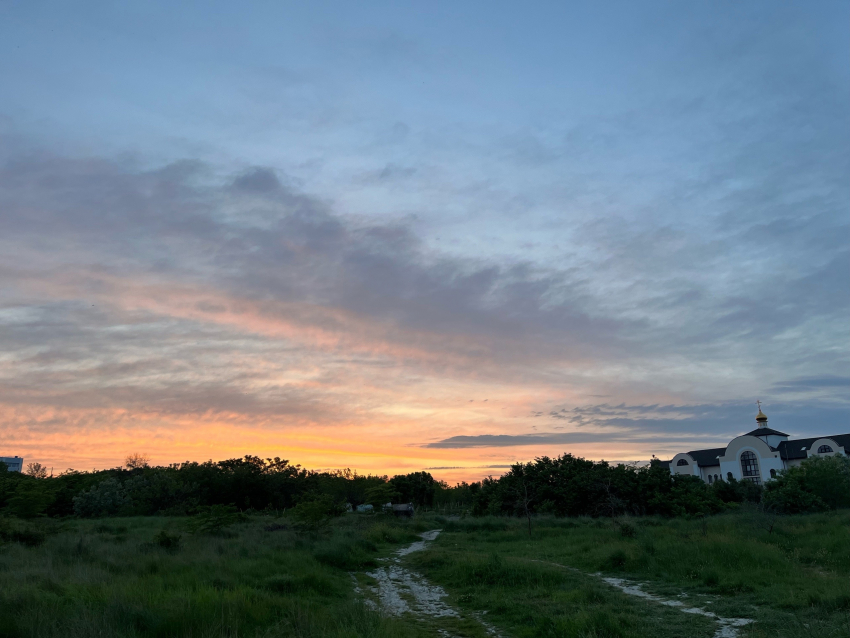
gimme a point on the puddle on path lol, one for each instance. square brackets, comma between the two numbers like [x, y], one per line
[400, 590]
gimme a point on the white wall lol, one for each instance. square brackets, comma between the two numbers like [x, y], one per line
[691, 469]
[767, 458]
[836, 449]
[15, 463]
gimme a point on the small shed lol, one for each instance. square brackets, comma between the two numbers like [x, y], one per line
[403, 509]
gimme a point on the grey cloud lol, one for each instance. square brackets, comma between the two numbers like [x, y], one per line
[393, 171]
[720, 421]
[648, 437]
[809, 384]
[512, 440]
[253, 238]
[257, 180]
[694, 426]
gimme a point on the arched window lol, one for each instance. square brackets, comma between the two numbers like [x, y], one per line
[709, 478]
[682, 462]
[716, 478]
[824, 449]
[750, 467]
[729, 476]
[772, 473]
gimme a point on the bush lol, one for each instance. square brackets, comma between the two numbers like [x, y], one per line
[496, 571]
[310, 582]
[214, 519]
[107, 498]
[170, 542]
[344, 554]
[615, 561]
[379, 495]
[817, 484]
[316, 513]
[25, 536]
[627, 530]
[734, 491]
[29, 497]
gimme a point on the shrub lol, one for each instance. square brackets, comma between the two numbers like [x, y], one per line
[107, 498]
[25, 536]
[627, 530]
[31, 498]
[344, 554]
[310, 582]
[711, 578]
[378, 495]
[170, 542]
[316, 513]
[616, 560]
[734, 491]
[496, 571]
[817, 484]
[214, 519]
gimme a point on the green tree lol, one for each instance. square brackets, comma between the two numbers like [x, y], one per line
[418, 488]
[36, 470]
[818, 483]
[378, 495]
[315, 514]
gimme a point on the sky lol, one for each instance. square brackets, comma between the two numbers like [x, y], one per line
[443, 236]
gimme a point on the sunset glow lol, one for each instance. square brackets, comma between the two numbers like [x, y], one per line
[356, 238]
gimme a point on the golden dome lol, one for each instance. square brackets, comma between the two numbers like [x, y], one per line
[761, 416]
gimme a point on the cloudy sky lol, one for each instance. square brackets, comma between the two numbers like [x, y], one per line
[398, 236]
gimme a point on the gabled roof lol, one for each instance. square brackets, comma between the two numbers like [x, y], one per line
[787, 449]
[764, 432]
[794, 449]
[705, 458]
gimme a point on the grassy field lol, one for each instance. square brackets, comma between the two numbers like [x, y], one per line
[125, 577]
[792, 578]
[260, 578]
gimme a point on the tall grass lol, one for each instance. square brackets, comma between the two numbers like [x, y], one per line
[121, 579]
[792, 574]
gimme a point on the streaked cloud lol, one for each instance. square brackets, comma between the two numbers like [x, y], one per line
[397, 248]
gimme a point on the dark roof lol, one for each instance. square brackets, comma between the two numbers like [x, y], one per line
[764, 432]
[787, 449]
[794, 449]
[707, 457]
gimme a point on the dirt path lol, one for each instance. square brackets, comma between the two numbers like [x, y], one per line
[727, 627]
[400, 590]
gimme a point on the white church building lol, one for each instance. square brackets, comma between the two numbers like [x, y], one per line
[756, 456]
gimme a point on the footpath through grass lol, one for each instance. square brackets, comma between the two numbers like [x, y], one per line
[150, 577]
[791, 574]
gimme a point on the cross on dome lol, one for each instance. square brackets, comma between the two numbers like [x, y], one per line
[761, 417]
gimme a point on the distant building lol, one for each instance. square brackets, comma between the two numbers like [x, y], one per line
[756, 456]
[14, 463]
[403, 509]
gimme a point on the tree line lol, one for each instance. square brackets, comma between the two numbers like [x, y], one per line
[561, 486]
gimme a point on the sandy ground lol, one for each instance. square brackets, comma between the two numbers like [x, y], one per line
[400, 590]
